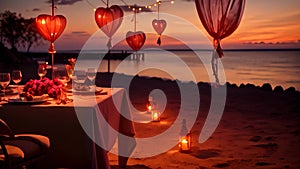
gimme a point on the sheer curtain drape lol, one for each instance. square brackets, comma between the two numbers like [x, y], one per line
[220, 18]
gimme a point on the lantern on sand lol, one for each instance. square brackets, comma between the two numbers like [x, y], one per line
[184, 138]
[155, 114]
[51, 27]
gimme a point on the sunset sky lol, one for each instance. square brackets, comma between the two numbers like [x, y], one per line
[265, 23]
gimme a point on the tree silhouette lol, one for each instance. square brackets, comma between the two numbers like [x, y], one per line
[18, 32]
[31, 36]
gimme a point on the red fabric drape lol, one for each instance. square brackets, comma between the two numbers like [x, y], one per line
[220, 18]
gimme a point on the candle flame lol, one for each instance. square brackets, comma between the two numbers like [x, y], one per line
[184, 141]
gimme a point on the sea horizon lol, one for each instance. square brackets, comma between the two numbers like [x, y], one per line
[278, 67]
[156, 49]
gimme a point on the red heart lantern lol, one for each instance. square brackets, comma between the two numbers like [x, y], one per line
[135, 40]
[159, 25]
[109, 19]
[50, 27]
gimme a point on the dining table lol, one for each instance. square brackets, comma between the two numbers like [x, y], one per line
[81, 131]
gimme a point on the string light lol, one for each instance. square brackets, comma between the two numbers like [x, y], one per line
[156, 4]
[136, 7]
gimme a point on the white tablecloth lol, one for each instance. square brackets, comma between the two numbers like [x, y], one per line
[76, 128]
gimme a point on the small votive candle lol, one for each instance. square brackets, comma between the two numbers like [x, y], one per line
[185, 143]
[155, 116]
[149, 108]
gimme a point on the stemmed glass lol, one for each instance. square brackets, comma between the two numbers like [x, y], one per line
[61, 73]
[79, 77]
[4, 81]
[69, 70]
[42, 70]
[91, 74]
[16, 77]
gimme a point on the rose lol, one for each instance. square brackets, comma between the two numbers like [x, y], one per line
[45, 86]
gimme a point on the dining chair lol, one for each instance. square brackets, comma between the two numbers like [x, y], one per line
[19, 150]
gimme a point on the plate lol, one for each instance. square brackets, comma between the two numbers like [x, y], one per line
[8, 91]
[97, 90]
[36, 100]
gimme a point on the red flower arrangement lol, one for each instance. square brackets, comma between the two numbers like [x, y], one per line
[54, 88]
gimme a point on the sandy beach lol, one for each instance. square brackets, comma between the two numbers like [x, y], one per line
[226, 72]
[260, 128]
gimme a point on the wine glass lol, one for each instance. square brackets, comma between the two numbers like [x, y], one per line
[91, 74]
[42, 70]
[79, 77]
[61, 73]
[4, 81]
[70, 70]
[16, 77]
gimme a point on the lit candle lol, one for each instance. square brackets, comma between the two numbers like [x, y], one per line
[149, 108]
[155, 116]
[184, 145]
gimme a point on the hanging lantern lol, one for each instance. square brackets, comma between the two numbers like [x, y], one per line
[184, 138]
[135, 40]
[109, 20]
[51, 27]
[159, 26]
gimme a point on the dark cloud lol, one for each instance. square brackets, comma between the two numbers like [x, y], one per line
[36, 9]
[80, 33]
[63, 2]
[273, 43]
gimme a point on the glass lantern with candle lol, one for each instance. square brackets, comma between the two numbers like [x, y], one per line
[155, 115]
[184, 139]
[185, 143]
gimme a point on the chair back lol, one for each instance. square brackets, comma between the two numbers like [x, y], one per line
[5, 130]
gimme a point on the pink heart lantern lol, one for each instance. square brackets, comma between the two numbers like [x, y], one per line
[50, 27]
[109, 19]
[159, 25]
[135, 40]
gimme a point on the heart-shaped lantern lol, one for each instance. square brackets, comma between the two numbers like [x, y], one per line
[135, 40]
[50, 27]
[109, 19]
[159, 25]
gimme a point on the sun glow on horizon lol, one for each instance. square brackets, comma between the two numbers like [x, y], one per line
[261, 26]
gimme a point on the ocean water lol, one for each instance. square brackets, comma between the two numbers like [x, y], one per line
[256, 67]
